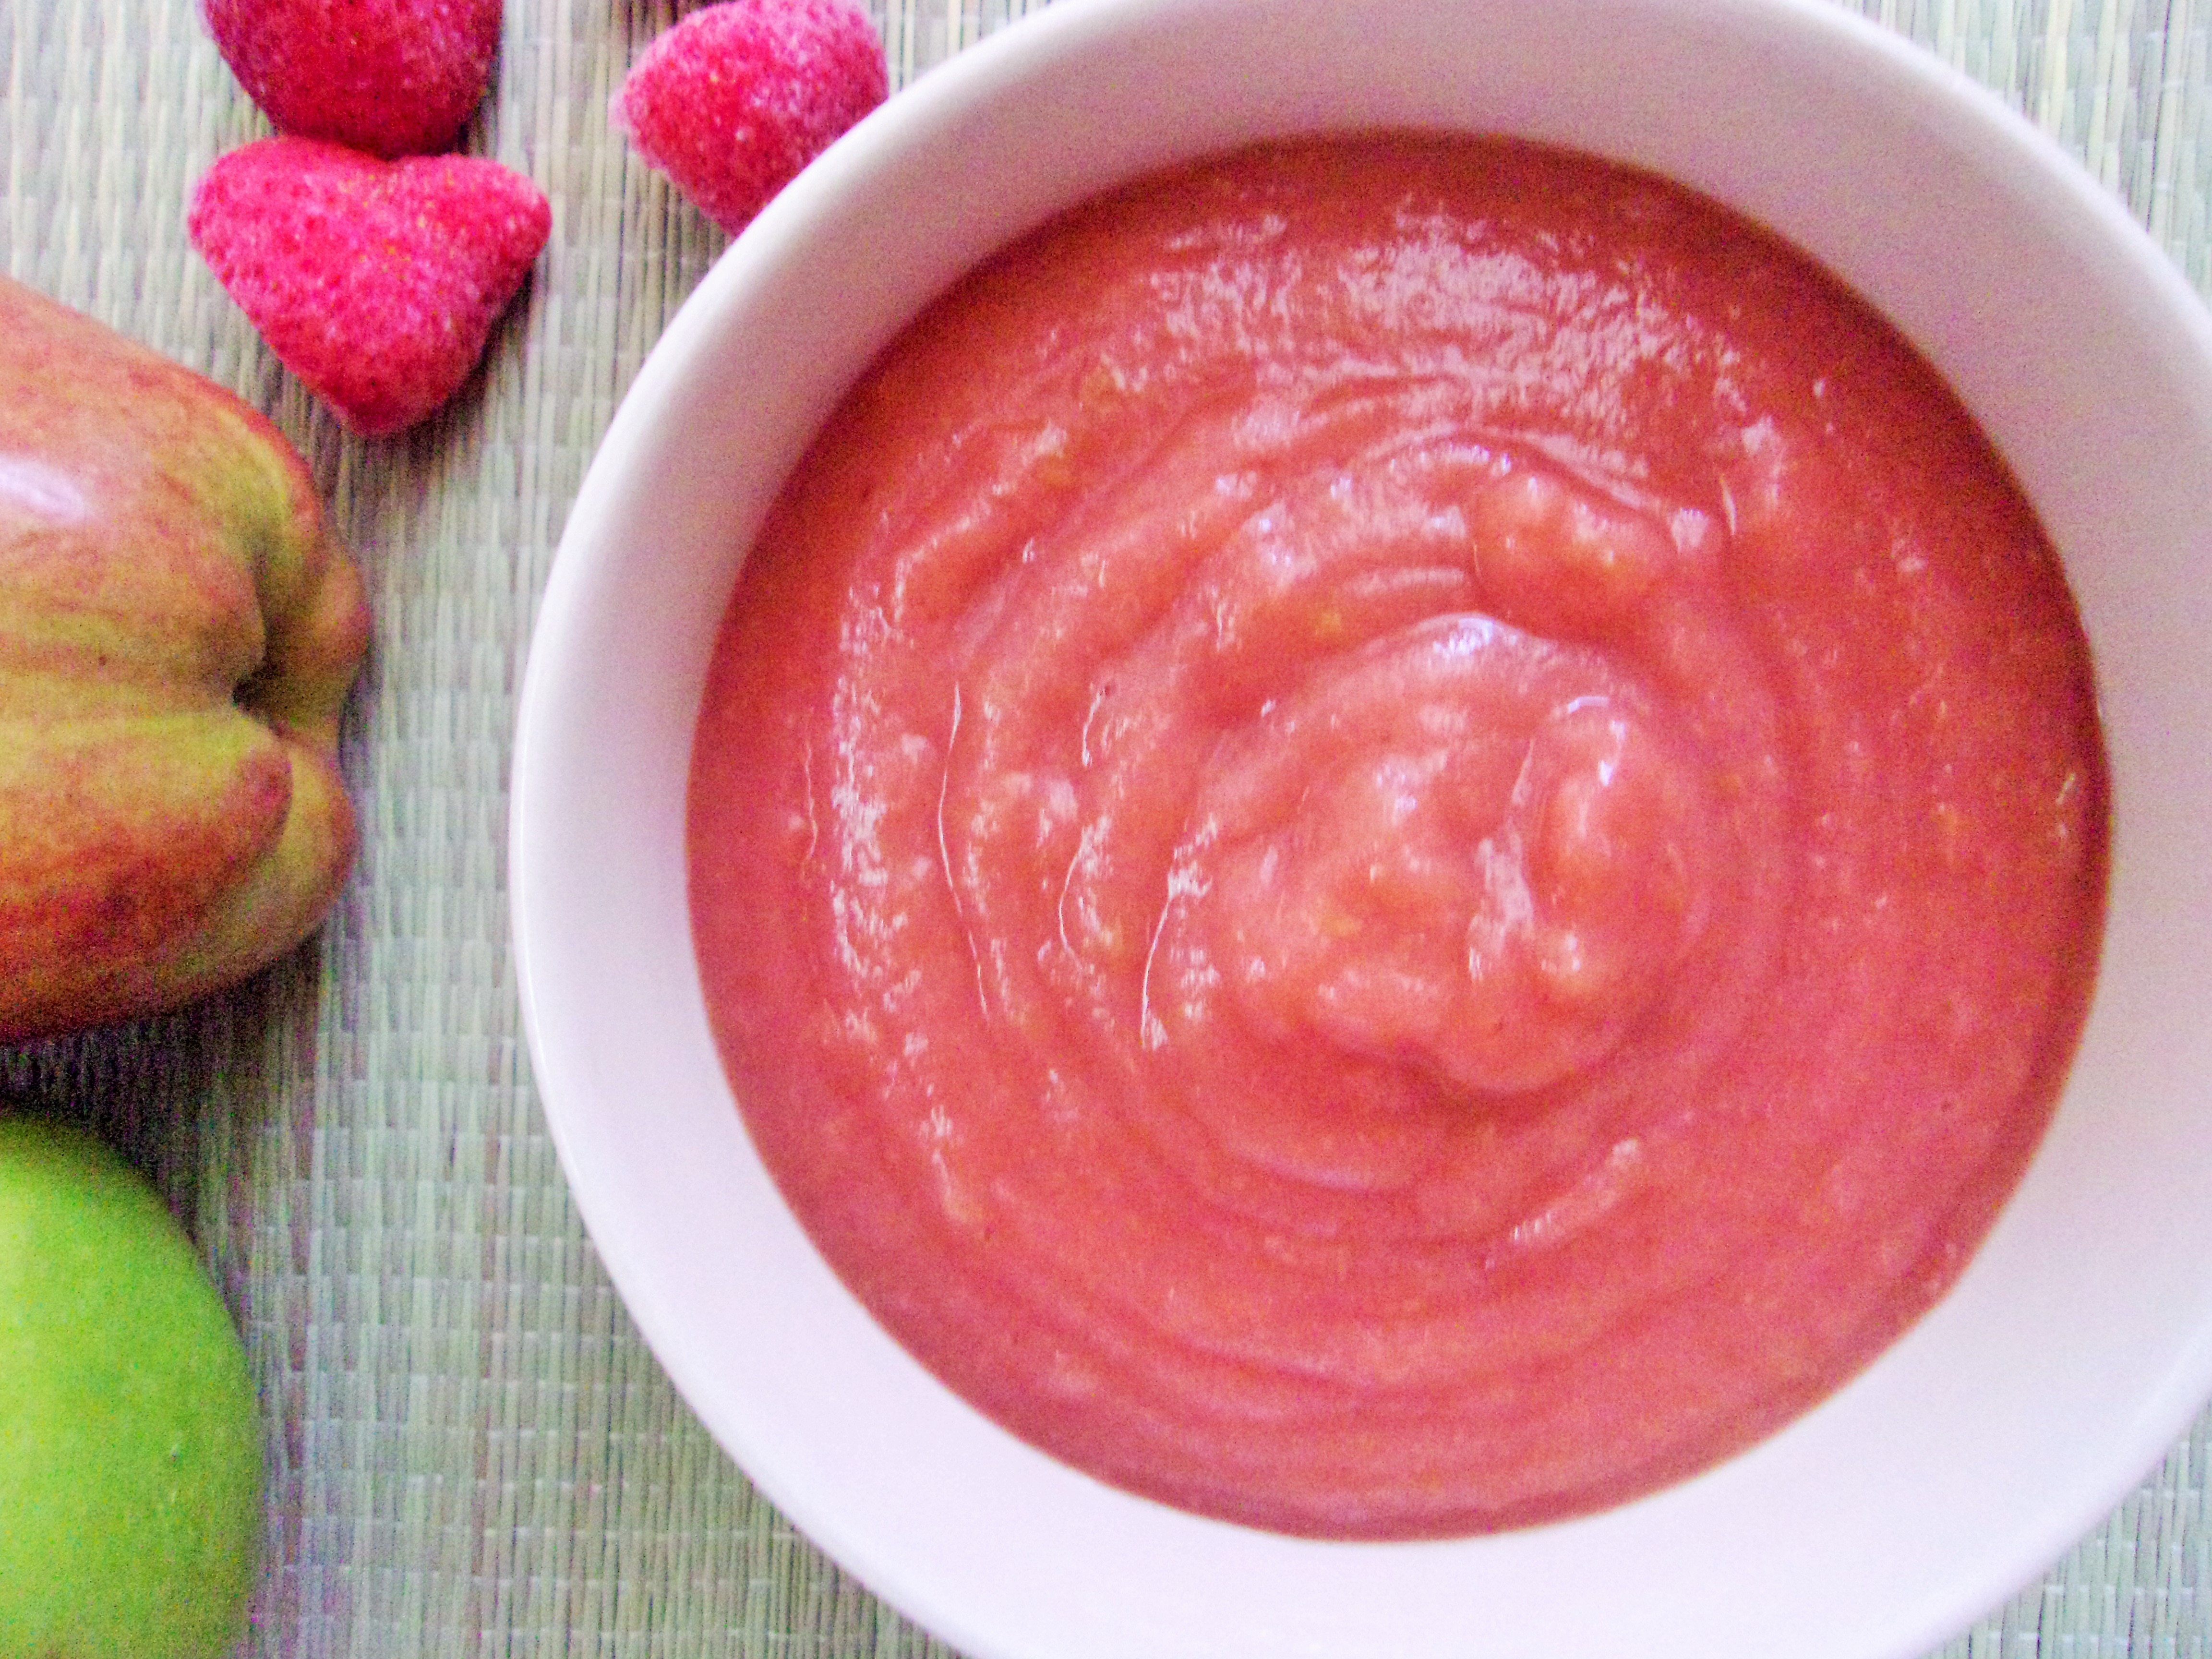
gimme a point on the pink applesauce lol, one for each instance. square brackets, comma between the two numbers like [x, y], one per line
[1396, 837]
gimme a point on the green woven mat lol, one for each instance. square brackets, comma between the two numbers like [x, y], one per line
[470, 1451]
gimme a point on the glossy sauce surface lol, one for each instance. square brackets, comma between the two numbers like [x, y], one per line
[1395, 837]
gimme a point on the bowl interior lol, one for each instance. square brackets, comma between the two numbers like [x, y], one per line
[2080, 1340]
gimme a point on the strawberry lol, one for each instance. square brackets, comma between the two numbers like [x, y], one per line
[376, 283]
[732, 101]
[394, 77]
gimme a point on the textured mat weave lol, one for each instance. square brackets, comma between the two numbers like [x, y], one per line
[471, 1452]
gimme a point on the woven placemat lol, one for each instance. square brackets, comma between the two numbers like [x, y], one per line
[470, 1450]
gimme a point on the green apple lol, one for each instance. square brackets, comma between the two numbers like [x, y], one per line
[130, 1449]
[178, 633]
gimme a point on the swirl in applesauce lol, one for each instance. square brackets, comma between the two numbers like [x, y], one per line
[1398, 836]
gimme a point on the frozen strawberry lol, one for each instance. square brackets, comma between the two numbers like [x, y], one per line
[376, 283]
[735, 100]
[394, 77]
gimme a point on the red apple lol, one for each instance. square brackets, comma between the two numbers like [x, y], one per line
[178, 633]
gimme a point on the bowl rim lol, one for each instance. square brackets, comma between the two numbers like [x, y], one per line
[940, 101]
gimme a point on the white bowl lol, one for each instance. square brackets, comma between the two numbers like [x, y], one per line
[2077, 1345]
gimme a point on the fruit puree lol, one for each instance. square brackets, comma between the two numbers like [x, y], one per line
[1398, 836]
